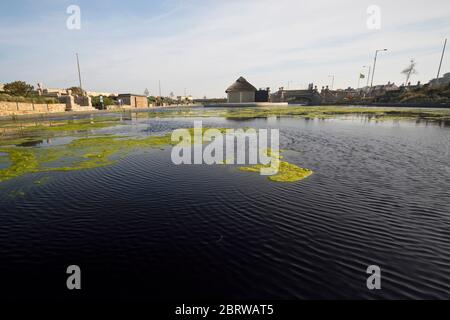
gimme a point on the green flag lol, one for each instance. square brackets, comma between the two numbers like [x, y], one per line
[361, 76]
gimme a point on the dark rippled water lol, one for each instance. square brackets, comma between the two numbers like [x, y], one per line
[145, 228]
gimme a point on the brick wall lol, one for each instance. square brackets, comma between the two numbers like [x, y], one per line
[21, 108]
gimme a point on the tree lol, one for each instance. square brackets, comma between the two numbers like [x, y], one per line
[107, 101]
[76, 91]
[18, 88]
[146, 92]
[410, 70]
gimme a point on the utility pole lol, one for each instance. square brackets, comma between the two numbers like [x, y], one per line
[442, 56]
[79, 73]
[368, 76]
[159, 86]
[374, 64]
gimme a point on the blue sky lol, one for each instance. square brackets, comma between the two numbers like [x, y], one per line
[203, 46]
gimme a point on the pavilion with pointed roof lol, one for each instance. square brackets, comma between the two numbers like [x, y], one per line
[241, 91]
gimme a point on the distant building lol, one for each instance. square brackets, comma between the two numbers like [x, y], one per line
[98, 94]
[134, 100]
[241, 91]
[380, 90]
[185, 99]
[438, 82]
[300, 96]
[262, 95]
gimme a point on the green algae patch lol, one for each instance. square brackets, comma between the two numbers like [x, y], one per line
[74, 125]
[287, 172]
[307, 112]
[49, 128]
[79, 154]
[23, 160]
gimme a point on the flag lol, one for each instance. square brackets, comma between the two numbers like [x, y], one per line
[361, 76]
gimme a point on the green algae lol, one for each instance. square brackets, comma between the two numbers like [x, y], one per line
[85, 153]
[287, 172]
[321, 112]
[82, 153]
[22, 161]
[75, 126]
[103, 150]
[27, 131]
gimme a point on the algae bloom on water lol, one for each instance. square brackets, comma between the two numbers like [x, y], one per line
[80, 154]
[287, 172]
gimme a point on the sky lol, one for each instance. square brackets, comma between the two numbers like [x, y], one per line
[202, 46]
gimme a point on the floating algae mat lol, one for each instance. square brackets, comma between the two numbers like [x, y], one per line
[378, 113]
[82, 153]
[28, 130]
[19, 156]
[287, 172]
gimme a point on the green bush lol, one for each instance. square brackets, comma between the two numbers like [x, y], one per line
[18, 88]
[31, 99]
[107, 101]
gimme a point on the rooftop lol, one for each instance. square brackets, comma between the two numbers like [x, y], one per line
[240, 85]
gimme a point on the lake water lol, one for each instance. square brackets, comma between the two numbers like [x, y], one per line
[146, 228]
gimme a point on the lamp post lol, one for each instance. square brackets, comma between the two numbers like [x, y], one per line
[442, 56]
[332, 80]
[79, 73]
[374, 64]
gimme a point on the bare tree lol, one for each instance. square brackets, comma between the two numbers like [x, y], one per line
[410, 70]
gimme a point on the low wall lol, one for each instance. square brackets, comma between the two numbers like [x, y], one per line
[21, 108]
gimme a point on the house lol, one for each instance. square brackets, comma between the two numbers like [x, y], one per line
[133, 100]
[241, 92]
[440, 82]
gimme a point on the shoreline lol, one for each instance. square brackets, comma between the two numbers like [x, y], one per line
[56, 115]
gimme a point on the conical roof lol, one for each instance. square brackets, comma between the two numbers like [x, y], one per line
[240, 85]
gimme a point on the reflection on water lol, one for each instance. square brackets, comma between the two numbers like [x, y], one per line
[145, 228]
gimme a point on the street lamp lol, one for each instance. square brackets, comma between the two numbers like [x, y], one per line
[332, 81]
[374, 64]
